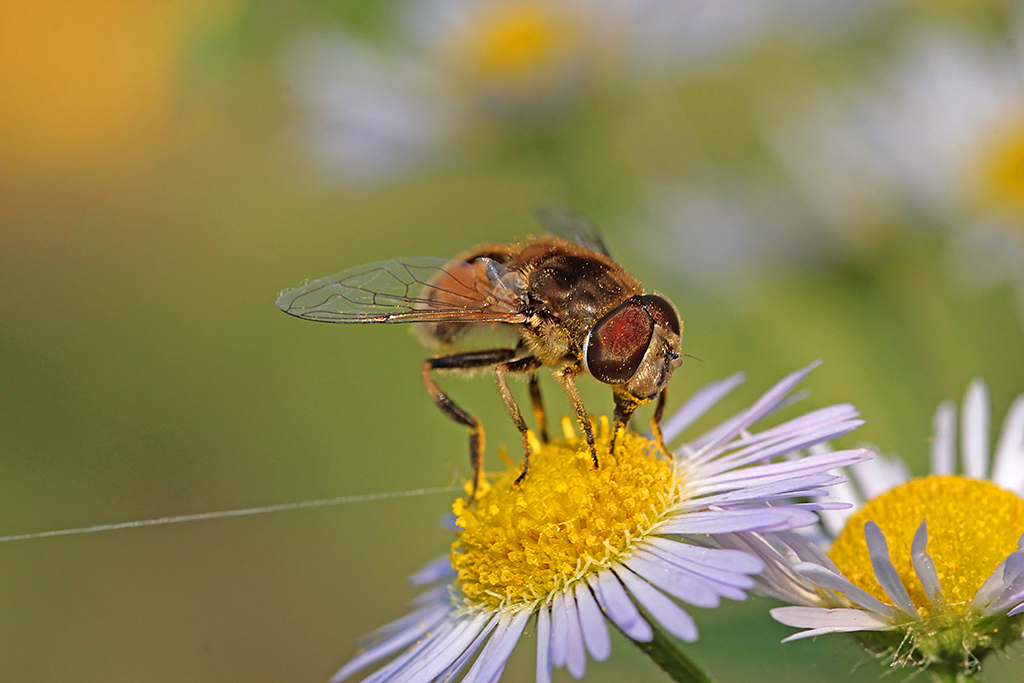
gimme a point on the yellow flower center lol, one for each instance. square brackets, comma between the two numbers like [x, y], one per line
[517, 42]
[518, 544]
[1003, 169]
[972, 526]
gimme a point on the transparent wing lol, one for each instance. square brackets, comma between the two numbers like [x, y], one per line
[410, 290]
[570, 224]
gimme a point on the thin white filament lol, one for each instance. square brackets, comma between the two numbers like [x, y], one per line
[221, 514]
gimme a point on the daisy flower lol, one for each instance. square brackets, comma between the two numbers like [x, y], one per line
[573, 548]
[940, 136]
[723, 236]
[926, 572]
[379, 111]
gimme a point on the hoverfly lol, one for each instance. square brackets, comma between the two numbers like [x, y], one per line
[574, 309]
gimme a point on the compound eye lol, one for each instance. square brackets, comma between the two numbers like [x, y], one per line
[662, 311]
[617, 344]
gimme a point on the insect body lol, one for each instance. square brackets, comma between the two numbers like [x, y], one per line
[574, 309]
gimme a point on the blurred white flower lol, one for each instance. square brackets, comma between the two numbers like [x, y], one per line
[377, 111]
[371, 114]
[669, 33]
[939, 137]
[729, 234]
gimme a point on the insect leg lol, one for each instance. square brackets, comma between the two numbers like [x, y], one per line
[538, 409]
[473, 359]
[500, 370]
[573, 394]
[624, 407]
[659, 411]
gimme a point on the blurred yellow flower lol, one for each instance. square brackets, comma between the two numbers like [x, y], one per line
[91, 80]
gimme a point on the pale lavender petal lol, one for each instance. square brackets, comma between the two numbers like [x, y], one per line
[732, 427]
[450, 673]
[802, 440]
[576, 655]
[437, 594]
[885, 571]
[823, 621]
[619, 607]
[1008, 468]
[767, 492]
[442, 652]
[974, 427]
[419, 621]
[438, 569]
[835, 520]
[543, 645]
[924, 567]
[734, 562]
[671, 616]
[996, 583]
[559, 630]
[1013, 580]
[681, 584]
[698, 404]
[943, 455]
[491, 661]
[1016, 610]
[592, 623]
[725, 521]
[807, 551]
[393, 642]
[752, 447]
[836, 582]
[396, 665]
[779, 470]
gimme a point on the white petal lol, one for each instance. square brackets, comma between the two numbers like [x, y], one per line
[592, 623]
[943, 452]
[559, 630]
[443, 651]
[619, 607]
[727, 566]
[855, 594]
[1008, 469]
[727, 521]
[974, 431]
[452, 671]
[438, 569]
[393, 643]
[576, 655]
[924, 567]
[543, 645]
[671, 616]
[674, 581]
[828, 620]
[885, 571]
[491, 661]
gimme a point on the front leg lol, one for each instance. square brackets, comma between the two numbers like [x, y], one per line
[659, 411]
[625, 405]
[567, 378]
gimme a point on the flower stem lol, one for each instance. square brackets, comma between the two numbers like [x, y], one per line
[664, 652]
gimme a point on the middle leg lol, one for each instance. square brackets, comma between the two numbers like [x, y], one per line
[529, 364]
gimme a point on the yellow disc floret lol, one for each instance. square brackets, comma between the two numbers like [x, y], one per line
[972, 526]
[519, 543]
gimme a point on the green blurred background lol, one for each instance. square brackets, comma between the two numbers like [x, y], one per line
[156, 194]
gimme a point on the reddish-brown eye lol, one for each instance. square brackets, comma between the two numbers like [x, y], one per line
[661, 310]
[616, 346]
